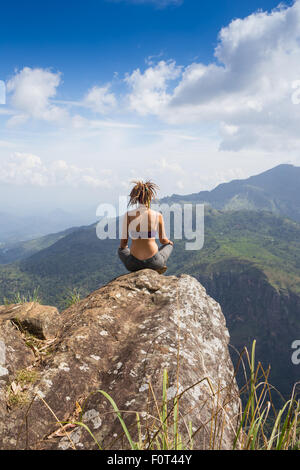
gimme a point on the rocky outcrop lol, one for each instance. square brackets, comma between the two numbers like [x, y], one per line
[120, 339]
[41, 321]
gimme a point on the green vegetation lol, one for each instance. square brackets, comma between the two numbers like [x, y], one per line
[26, 376]
[10, 252]
[72, 297]
[17, 393]
[18, 298]
[248, 258]
[162, 431]
[259, 427]
[268, 242]
[80, 260]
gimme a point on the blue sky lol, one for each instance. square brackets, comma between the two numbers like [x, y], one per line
[89, 41]
[188, 93]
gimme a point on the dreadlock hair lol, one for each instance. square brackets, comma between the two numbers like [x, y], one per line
[142, 193]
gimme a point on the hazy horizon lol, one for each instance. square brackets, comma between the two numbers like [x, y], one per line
[89, 209]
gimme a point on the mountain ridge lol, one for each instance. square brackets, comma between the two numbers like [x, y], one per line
[276, 190]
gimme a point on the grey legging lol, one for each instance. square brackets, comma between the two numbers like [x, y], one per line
[155, 262]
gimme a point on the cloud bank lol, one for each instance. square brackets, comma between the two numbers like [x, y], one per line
[22, 169]
[247, 89]
[31, 91]
[246, 101]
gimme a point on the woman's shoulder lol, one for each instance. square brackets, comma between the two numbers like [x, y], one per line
[135, 212]
[156, 213]
[153, 211]
[131, 213]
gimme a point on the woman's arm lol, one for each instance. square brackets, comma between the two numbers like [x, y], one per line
[161, 231]
[124, 235]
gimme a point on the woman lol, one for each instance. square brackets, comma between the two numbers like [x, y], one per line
[141, 225]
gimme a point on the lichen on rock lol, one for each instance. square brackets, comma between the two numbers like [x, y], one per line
[120, 339]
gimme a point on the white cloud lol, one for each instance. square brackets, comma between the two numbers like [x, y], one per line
[149, 89]
[2, 92]
[166, 165]
[32, 95]
[247, 90]
[24, 168]
[5, 111]
[31, 91]
[7, 144]
[17, 120]
[251, 56]
[100, 99]
[175, 134]
[80, 122]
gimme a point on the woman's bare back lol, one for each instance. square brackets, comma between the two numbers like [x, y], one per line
[143, 225]
[142, 228]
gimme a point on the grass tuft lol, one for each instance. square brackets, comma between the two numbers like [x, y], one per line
[19, 298]
[17, 393]
[260, 425]
[73, 296]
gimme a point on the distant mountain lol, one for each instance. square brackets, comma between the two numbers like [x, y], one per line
[276, 190]
[250, 263]
[11, 252]
[15, 228]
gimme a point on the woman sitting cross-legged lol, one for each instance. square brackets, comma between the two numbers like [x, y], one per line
[142, 224]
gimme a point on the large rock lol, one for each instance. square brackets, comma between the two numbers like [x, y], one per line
[42, 321]
[119, 339]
